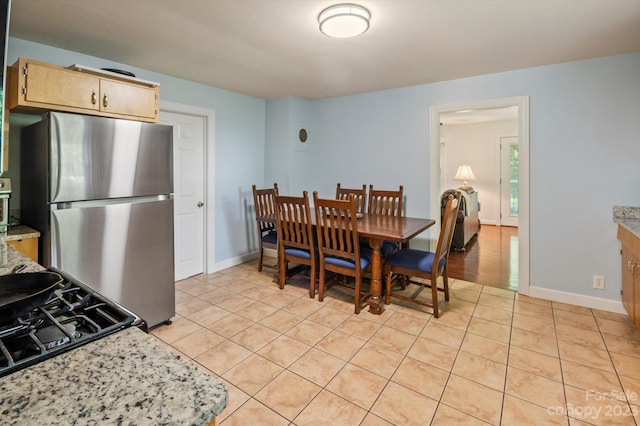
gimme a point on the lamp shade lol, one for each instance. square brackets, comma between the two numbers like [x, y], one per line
[344, 20]
[465, 174]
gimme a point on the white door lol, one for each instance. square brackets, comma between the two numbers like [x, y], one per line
[509, 182]
[188, 188]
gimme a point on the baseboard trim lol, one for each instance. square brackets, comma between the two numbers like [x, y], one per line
[577, 299]
[234, 261]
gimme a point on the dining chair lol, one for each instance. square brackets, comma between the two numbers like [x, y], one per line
[339, 248]
[360, 195]
[264, 204]
[386, 203]
[411, 263]
[296, 242]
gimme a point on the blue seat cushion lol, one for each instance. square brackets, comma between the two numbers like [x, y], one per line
[271, 237]
[298, 252]
[347, 263]
[366, 252]
[414, 259]
[388, 247]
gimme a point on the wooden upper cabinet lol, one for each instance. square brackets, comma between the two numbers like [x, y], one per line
[34, 86]
[128, 99]
[44, 84]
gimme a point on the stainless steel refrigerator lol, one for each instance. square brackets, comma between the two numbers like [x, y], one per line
[100, 191]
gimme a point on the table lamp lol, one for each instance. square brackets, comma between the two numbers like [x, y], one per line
[465, 174]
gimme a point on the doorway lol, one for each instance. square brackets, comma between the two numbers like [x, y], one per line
[435, 146]
[193, 204]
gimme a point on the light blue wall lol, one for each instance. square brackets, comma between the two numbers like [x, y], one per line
[584, 156]
[239, 139]
[286, 156]
[585, 122]
[277, 156]
[303, 163]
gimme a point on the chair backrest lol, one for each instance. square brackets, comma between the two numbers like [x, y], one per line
[455, 193]
[265, 206]
[360, 195]
[446, 230]
[264, 201]
[385, 203]
[337, 228]
[295, 227]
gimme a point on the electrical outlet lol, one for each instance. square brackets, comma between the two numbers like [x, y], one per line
[598, 282]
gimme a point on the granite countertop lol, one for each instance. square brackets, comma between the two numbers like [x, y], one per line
[10, 258]
[628, 217]
[20, 232]
[128, 377]
[125, 378]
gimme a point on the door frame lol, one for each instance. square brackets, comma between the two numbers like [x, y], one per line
[522, 102]
[208, 116]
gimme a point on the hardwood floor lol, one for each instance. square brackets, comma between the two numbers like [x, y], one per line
[491, 258]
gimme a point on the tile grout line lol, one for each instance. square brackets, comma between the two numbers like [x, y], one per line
[560, 362]
[626, 397]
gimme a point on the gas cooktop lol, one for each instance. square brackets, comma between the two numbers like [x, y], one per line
[73, 316]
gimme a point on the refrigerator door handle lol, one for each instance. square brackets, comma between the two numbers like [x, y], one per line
[107, 202]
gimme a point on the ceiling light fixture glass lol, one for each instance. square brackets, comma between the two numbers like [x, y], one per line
[344, 20]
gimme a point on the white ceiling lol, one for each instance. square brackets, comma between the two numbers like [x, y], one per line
[273, 49]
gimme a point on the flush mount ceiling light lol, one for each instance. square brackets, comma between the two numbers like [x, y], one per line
[344, 20]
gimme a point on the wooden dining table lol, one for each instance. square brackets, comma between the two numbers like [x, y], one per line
[376, 229]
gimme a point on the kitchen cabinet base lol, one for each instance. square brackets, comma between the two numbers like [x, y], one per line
[630, 273]
[28, 247]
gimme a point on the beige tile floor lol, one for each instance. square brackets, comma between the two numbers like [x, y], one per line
[493, 356]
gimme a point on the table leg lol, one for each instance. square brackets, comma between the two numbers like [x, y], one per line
[375, 300]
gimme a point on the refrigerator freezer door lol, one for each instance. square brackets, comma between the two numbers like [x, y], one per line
[96, 158]
[123, 251]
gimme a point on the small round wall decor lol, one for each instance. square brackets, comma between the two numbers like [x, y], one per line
[302, 135]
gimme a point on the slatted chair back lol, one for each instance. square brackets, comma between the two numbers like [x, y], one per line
[265, 210]
[446, 231]
[360, 195]
[264, 201]
[339, 248]
[296, 242]
[384, 202]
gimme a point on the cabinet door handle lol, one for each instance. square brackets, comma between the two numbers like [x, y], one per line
[94, 98]
[105, 101]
